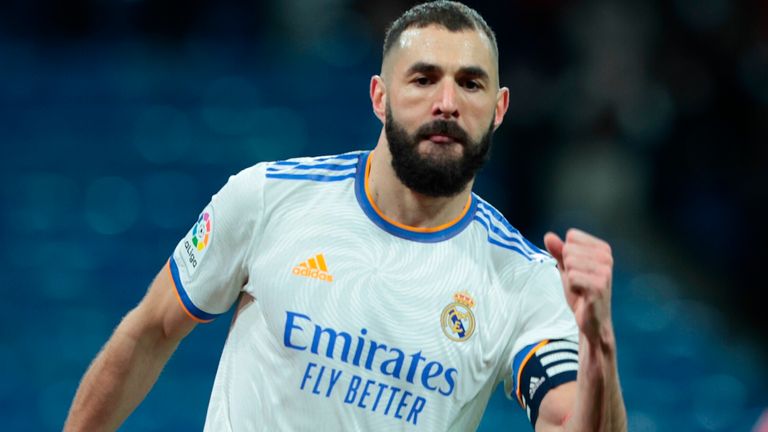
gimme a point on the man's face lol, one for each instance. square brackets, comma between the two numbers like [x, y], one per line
[438, 174]
[442, 106]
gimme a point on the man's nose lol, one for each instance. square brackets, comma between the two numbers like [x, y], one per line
[445, 105]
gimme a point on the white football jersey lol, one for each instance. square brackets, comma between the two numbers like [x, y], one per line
[358, 322]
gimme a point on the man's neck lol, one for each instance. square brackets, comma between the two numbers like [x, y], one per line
[399, 203]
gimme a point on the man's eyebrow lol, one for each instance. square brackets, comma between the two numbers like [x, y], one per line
[429, 68]
[424, 68]
[474, 72]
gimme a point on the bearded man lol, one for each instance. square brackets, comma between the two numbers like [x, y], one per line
[374, 289]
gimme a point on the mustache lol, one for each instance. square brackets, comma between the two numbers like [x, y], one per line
[443, 127]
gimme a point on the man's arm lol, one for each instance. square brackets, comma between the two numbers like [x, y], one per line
[594, 402]
[129, 364]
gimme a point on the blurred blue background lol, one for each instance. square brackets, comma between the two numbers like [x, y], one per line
[643, 122]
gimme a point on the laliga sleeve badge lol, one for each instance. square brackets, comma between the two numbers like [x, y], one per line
[457, 319]
[197, 241]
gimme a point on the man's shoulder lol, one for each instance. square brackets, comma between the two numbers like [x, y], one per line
[295, 172]
[327, 168]
[503, 238]
[287, 177]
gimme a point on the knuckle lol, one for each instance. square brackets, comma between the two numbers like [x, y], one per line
[572, 278]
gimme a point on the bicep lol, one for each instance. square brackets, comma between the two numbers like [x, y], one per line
[543, 372]
[556, 407]
[160, 311]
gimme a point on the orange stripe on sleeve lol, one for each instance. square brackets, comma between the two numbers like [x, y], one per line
[178, 298]
[522, 366]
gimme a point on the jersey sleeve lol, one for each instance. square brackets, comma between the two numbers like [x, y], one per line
[209, 265]
[544, 353]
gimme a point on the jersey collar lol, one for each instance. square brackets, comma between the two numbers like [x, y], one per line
[424, 235]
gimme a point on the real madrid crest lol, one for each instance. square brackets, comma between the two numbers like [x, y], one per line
[457, 319]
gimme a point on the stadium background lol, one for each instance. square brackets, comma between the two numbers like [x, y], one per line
[642, 121]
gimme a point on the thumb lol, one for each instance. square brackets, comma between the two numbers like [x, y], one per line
[554, 246]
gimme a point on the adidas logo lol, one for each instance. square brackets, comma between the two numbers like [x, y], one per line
[534, 385]
[315, 268]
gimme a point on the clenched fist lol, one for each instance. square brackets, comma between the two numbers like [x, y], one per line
[586, 267]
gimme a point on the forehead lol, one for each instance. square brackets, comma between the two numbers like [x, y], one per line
[439, 46]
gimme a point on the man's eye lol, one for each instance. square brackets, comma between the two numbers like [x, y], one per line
[423, 81]
[472, 85]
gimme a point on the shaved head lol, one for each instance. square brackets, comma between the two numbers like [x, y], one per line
[452, 16]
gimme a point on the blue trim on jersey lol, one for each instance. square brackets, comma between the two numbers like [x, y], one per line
[494, 214]
[312, 177]
[344, 156]
[504, 240]
[521, 355]
[495, 223]
[423, 237]
[327, 166]
[509, 246]
[191, 308]
[319, 169]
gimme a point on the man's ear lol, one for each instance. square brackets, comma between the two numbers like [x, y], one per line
[379, 97]
[502, 104]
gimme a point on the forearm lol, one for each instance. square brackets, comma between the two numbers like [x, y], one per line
[599, 404]
[119, 378]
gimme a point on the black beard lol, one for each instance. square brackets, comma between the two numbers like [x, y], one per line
[435, 176]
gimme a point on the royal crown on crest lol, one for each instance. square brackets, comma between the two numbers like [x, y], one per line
[464, 298]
